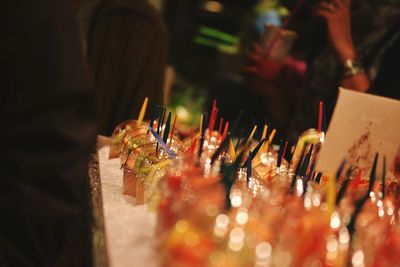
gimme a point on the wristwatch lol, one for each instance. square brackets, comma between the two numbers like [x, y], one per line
[352, 67]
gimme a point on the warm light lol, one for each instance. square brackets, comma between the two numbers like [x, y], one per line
[242, 217]
[236, 239]
[344, 236]
[263, 254]
[358, 259]
[236, 198]
[335, 220]
[213, 6]
[181, 226]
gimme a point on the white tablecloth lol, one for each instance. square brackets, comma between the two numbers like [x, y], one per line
[129, 228]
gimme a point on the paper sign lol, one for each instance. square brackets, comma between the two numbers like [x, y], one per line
[362, 124]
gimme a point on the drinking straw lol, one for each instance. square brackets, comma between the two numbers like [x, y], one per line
[154, 114]
[314, 161]
[271, 136]
[340, 170]
[284, 150]
[221, 148]
[280, 152]
[231, 150]
[173, 128]
[239, 139]
[331, 194]
[143, 110]
[264, 133]
[383, 176]
[373, 174]
[213, 116]
[360, 203]
[160, 118]
[306, 162]
[320, 115]
[257, 148]
[162, 144]
[251, 136]
[164, 110]
[297, 171]
[229, 176]
[201, 123]
[225, 130]
[344, 187]
[167, 127]
[201, 143]
[254, 153]
[264, 136]
[221, 122]
[248, 169]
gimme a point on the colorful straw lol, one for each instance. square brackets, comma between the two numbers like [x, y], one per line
[231, 150]
[221, 122]
[320, 115]
[143, 110]
[226, 128]
[167, 127]
[251, 136]
[271, 136]
[173, 128]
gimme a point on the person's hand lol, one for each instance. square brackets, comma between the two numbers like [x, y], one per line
[337, 16]
[259, 78]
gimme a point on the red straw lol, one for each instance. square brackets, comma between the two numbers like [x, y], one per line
[173, 128]
[284, 150]
[221, 121]
[213, 115]
[320, 115]
[225, 131]
[212, 120]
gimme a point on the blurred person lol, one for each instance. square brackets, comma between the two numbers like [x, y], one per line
[47, 132]
[352, 46]
[126, 47]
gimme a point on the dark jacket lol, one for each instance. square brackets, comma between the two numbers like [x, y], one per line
[127, 52]
[47, 130]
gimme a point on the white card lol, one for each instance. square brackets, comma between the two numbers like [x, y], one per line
[361, 125]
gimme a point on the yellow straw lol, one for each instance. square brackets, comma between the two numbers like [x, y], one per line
[251, 136]
[201, 123]
[232, 150]
[264, 147]
[271, 136]
[331, 194]
[264, 133]
[143, 110]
